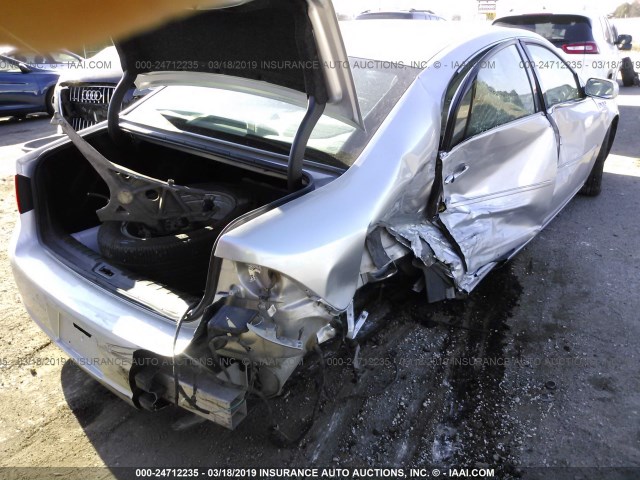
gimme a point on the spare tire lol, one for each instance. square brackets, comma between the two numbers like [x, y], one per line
[179, 261]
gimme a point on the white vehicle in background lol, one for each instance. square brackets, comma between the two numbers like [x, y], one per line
[590, 43]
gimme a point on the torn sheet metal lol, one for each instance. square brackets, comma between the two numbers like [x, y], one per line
[430, 245]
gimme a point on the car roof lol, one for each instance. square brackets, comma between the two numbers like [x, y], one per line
[402, 41]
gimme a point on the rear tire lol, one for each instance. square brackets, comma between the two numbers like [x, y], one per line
[593, 186]
[49, 102]
[627, 72]
[180, 260]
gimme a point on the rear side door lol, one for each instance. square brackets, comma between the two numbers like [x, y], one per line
[579, 121]
[498, 160]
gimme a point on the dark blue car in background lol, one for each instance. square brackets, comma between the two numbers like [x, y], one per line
[27, 80]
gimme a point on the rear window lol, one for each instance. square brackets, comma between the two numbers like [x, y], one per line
[250, 119]
[558, 29]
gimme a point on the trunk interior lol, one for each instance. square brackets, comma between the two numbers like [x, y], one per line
[69, 191]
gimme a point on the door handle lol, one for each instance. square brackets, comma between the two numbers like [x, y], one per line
[460, 169]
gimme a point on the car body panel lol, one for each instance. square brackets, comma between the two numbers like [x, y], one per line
[322, 247]
[24, 92]
[258, 242]
[64, 304]
[582, 126]
[388, 185]
[502, 198]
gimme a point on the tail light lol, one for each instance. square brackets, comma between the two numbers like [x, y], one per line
[24, 196]
[581, 48]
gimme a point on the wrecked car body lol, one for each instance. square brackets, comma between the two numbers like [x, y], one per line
[200, 243]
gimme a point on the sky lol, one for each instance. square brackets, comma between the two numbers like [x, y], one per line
[468, 8]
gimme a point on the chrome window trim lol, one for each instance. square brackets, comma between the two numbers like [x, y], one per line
[467, 83]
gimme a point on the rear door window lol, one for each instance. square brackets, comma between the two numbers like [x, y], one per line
[500, 93]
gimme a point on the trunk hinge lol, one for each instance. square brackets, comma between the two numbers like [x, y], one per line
[296, 155]
[115, 105]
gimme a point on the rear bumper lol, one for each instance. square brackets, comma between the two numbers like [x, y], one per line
[96, 328]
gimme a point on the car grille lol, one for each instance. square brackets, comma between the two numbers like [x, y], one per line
[79, 123]
[87, 105]
[94, 95]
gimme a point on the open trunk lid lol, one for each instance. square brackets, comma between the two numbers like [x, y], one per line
[287, 46]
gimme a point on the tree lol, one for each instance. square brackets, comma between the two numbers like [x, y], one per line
[627, 10]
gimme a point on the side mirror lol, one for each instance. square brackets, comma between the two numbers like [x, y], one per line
[624, 42]
[24, 68]
[601, 88]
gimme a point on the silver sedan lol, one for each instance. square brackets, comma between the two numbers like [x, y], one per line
[193, 248]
